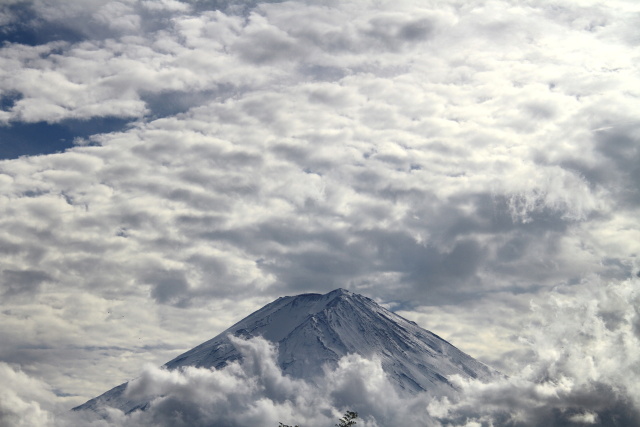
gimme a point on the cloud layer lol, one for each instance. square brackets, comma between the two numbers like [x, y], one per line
[452, 160]
[582, 371]
[242, 394]
[584, 352]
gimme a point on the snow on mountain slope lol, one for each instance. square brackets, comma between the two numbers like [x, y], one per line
[314, 331]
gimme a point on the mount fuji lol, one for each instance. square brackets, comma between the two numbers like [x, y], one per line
[313, 331]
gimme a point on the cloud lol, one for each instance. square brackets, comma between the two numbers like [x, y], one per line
[255, 391]
[25, 281]
[584, 339]
[24, 401]
[442, 158]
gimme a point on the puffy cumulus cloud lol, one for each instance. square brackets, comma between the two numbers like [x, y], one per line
[126, 69]
[24, 401]
[79, 60]
[38, 21]
[584, 339]
[30, 402]
[254, 391]
[427, 154]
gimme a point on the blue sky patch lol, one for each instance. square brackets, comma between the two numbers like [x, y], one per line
[31, 139]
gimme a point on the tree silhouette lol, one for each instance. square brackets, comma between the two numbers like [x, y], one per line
[348, 419]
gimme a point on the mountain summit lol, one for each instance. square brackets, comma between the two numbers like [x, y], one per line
[314, 330]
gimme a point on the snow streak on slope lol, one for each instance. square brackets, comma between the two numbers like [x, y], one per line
[313, 332]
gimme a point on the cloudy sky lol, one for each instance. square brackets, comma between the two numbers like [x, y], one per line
[168, 167]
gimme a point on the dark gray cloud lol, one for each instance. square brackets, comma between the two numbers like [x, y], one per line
[620, 145]
[16, 282]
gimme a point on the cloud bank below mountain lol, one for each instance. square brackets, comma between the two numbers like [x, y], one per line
[581, 372]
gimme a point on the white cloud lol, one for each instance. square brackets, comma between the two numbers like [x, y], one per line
[256, 392]
[441, 154]
[22, 399]
[584, 339]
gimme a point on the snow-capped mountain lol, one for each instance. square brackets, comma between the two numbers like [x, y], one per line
[313, 330]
